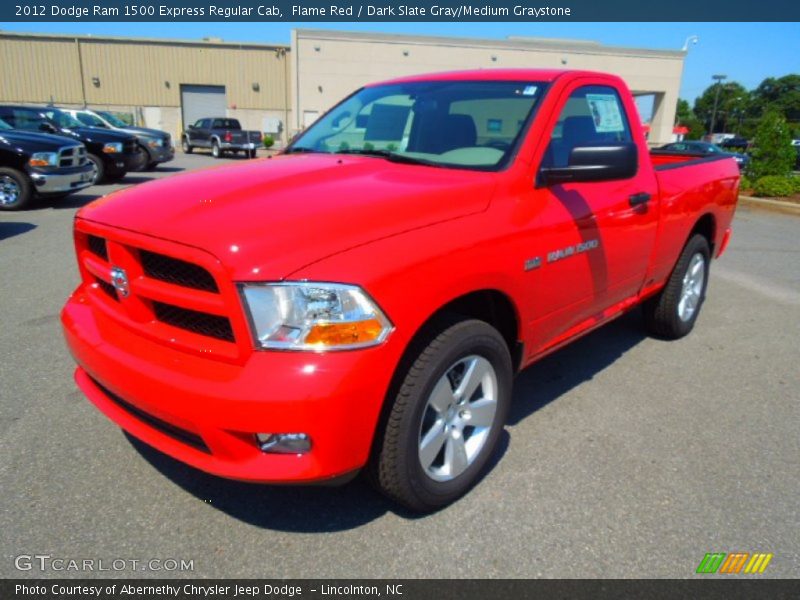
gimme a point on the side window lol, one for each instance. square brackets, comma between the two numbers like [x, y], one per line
[200, 124]
[86, 119]
[593, 116]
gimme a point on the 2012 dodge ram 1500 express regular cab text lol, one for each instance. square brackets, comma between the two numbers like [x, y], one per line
[363, 299]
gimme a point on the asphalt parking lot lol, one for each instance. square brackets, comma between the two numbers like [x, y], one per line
[624, 457]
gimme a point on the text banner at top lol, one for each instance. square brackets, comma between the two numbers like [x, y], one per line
[399, 10]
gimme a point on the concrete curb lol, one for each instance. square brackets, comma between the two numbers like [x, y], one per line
[769, 204]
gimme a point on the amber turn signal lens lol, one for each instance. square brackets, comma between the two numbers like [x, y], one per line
[38, 162]
[340, 334]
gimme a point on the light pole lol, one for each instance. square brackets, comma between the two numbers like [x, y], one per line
[719, 79]
[692, 39]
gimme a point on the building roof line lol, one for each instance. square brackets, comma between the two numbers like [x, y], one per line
[140, 40]
[510, 43]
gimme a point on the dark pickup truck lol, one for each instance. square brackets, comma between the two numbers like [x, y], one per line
[37, 164]
[112, 153]
[221, 135]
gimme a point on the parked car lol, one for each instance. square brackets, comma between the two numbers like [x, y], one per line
[221, 135]
[706, 149]
[735, 143]
[155, 146]
[364, 299]
[38, 164]
[113, 153]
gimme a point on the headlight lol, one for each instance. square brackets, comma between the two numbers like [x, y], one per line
[313, 316]
[112, 148]
[154, 142]
[43, 159]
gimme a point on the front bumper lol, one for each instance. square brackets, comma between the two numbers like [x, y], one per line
[122, 163]
[205, 412]
[161, 154]
[69, 179]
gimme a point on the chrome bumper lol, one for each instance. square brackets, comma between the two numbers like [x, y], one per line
[54, 183]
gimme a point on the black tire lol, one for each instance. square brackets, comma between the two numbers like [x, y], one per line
[251, 153]
[16, 191]
[186, 146]
[395, 466]
[662, 312]
[216, 151]
[144, 159]
[151, 165]
[116, 176]
[99, 167]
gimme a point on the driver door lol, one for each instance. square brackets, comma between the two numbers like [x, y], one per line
[594, 238]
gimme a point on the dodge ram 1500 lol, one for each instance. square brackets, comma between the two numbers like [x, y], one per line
[363, 300]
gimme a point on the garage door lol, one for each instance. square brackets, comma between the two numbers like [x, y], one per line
[202, 101]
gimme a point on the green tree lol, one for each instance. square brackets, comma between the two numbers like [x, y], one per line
[773, 153]
[781, 93]
[685, 116]
[733, 97]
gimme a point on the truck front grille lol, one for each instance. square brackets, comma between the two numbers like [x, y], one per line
[179, 272]
[192, 320]
[72, 156]
[178, 301]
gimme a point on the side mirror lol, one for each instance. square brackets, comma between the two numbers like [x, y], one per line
[595, 163]
[191, 126]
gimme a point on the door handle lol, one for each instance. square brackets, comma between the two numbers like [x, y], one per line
[639, 199]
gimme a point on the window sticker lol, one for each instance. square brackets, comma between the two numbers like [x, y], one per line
[606, 115]
[530, 90]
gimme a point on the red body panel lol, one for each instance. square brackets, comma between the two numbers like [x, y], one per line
[415, 238]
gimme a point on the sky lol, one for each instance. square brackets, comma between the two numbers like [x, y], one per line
[745, 52]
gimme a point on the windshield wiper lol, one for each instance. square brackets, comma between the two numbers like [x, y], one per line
[391, 156]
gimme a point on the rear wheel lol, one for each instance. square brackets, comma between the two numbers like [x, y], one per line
[672, 313]
[186, 146]
[251, 153]
[16, 191]
[216, 151]
[446, 419]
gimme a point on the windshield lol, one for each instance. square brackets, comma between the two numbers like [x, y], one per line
[460, 124]
[90, 120]
[4, 125]
[62, 119]
[112, 118]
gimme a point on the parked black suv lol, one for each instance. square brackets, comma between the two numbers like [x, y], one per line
[112, 153]
[38, 164]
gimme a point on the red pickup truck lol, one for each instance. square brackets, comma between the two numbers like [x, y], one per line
[364, 299]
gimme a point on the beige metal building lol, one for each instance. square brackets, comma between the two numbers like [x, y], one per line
[279, 89]
[163, 83]
[328, 65]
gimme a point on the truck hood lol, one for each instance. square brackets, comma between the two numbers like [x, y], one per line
[28, 141]
[265, 219]
[96, 134]
[144, 131]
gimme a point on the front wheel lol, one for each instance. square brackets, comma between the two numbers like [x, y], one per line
[99, 168]
[142, 159]
[15, 189]
[446, 418]
[672, 313]
[186, 146]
